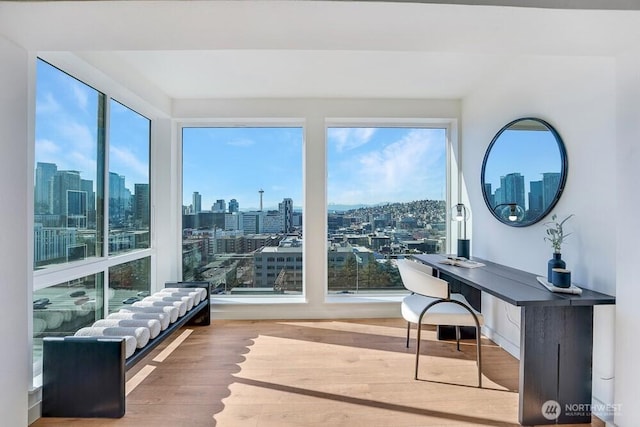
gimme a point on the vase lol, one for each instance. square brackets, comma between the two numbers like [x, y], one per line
[555, 262]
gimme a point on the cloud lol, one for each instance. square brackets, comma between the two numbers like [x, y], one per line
[241, 142]
[85, 165]
[46, 148]
[124, 158]
[350, 138]
[77, 135]
[80, 93]
[402, 170]
[47, 104]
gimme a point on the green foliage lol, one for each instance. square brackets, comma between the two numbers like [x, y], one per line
[555, 232]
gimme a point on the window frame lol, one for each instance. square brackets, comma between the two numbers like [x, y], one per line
[246, 122]
[452, 173]
[55, 274]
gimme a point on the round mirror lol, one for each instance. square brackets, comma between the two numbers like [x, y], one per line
[524, 171]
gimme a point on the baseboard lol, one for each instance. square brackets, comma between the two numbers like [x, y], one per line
[34, 412]
[603, 411]
[508, 346]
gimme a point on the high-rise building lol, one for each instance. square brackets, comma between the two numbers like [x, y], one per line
[490, 195]
[118, 199]
[141, 211]
[535, 197]
[550, 184]
[512, 186]
[233, 221]
[61, 183]
[44, 175]
[196, 202]
[233, 206]
[219, 206]
[252, 222]
[273, 222]
[286, 211]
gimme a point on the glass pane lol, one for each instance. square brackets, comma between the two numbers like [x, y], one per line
[129, 136]
[128, 283]
[62, 309]
[242, 215]
[69, 151]
[386, 193]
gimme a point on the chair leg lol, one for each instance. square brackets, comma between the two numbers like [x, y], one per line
[458, 337]
[415, 375]
[479, 357]
[408, 330]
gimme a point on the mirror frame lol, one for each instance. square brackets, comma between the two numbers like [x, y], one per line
[563, 172]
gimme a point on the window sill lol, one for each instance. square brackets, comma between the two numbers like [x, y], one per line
[329, 299]
[240, 300]
[362, 299]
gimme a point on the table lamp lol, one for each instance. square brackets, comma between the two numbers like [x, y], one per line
[460, 213]
[511, 212]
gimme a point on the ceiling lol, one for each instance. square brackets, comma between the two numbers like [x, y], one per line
[229, 49]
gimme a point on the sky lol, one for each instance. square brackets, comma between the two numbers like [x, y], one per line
[365, 165]
[379, 165]
[529, 153]
[66, 129]
[236, 162]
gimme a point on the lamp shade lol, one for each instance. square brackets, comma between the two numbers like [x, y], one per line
[459, 212]
[511, 212]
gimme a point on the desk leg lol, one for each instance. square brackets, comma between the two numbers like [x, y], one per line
[555, 364]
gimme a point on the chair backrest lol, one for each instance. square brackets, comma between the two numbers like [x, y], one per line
[418, 278]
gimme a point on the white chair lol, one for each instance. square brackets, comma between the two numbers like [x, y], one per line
[432, 303]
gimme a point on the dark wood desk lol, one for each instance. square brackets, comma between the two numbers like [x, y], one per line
[556, 338]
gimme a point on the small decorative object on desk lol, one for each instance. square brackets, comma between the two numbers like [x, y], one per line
[561, 278]
[573, 289]
[556, 235]
[461, 262]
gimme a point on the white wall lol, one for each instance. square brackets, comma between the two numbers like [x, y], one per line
[577, 95]
[15, 369]
[628, 234]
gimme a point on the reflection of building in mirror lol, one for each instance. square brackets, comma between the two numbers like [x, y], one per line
[512, 190]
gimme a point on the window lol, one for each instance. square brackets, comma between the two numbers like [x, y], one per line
[129, 134]
[242, 198]
[64, 308]
[69, 155]
[70, 203]
[386, 192]
[128, 283]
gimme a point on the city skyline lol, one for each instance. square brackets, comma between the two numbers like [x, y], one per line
[533, 152]
[66, 131]
[366, 166]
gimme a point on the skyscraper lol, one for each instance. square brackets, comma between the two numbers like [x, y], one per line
[535, 197]
[219, 206]
[196, 202]
[44, 175]
[286, 211]
[141, 205]
[117, 199]
[512, 186]
[550, 184]
[233, 206]
[61, 183]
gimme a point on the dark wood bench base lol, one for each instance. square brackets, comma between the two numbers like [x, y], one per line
[84, 377]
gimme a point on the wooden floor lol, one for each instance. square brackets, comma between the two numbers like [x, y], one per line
[315, 373]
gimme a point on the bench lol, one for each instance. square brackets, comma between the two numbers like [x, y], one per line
[84, 376]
